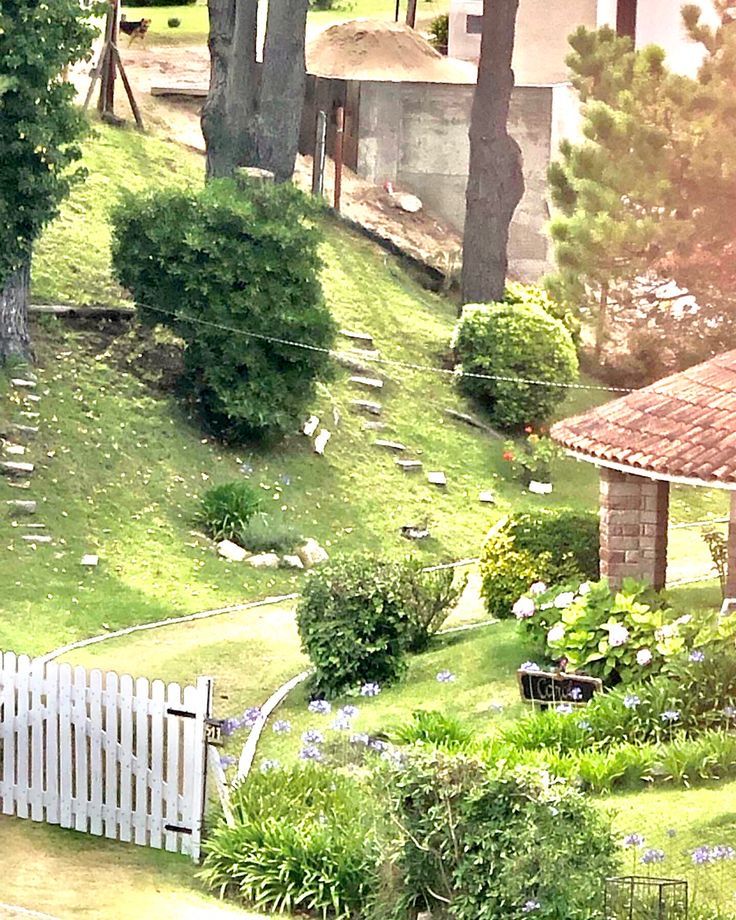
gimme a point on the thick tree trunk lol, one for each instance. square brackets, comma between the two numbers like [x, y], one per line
[495, 181]
[282, 87]
[15, 341]
[229, 116]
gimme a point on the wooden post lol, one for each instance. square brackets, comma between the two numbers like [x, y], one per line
[731, 576]
[411, 13]
[339, 138]
[106, 102]
[320, 150]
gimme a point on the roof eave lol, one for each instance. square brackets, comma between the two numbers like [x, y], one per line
[651, 474]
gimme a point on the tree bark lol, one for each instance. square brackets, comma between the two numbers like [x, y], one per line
[230, 110]
[282, 87]
[495, 180]
[15, 342]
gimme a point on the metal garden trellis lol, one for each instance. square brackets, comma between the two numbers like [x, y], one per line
[638, 897]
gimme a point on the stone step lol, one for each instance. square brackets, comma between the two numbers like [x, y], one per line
[21, 383]
[30, 415]
[20, 485]
[311, 425]
[390, 445]
[372, 383]
[364, 338]
[362, 405]
[320, 442]
[28, 430]
[11, 468]
[36, 538]
[409, 465]
[21, 507]
[35, 526]
[487, 498]
[14, 450]
[437, 478]
[375, 426]
[31, 397]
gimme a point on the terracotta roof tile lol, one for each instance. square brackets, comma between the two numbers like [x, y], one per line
[683, 425]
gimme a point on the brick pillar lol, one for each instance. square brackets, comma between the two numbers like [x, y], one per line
[731, 580]
[634, 516]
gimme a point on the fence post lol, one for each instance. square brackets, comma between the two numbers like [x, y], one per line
[204, 688]
[339, 139]
[320, 151]
[411, 13]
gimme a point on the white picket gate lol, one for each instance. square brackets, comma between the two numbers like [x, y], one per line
[102, 753]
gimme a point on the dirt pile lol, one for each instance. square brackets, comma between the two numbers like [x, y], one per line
[368, 49]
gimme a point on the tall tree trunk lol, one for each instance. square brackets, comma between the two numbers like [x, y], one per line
[495, 180]
[230, 110]
[15, 342]
[282, 87]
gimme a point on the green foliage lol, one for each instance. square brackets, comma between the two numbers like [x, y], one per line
[429, 599]
[354, 624]
[266, 533]
[546, 546]
[439, 32]
[605, 633]
[481, 844]
[227, 509]
[518, 340]
[303, 840]
[173, 22]
[531, 458]
[39, 121]
[435, 729]
[224, 267]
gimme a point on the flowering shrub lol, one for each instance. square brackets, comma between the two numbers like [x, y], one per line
[544, 547]
[612, 635]
[531, 458]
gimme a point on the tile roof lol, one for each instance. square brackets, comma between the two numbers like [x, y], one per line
[681, 426]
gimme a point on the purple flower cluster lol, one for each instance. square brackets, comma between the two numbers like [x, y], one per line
[697, 656]
[564, 709]
[313, 736]
[576, 694]
[634, 840]
[282, 726]
[530, 906]
[445, 677]
[631, 701]
[320, 707]
[370, 689]
[529, 666]
[650, 857]
[670, 715]
[227, 760]
[311, 752]
[706, 855]
[729, 712]
[268, 765]
[235, 723]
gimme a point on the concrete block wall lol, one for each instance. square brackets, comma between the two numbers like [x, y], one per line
[634, 520]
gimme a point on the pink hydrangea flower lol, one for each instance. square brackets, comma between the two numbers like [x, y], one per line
[524, 608]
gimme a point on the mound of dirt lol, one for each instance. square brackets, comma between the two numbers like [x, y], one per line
[369, 49]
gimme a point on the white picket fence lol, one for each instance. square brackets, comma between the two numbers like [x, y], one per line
[102, 753]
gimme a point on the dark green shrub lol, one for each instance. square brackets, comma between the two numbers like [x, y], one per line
[354, 624]
[439, 32]
[304, 840]
[516, 341]
[430, 597]
[224, 267]
[481, 844]
[173, 22]
[544, 546]
[268, 533]
[227, 509]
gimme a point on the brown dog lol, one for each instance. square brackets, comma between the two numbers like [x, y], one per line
[134, 29]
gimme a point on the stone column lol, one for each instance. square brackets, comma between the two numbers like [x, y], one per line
[634, 517]
[731, 579]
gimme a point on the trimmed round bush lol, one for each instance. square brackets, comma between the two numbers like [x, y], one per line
[518, 340]
[233, 269]
[174, 22]
[548, 546]
[227, 509]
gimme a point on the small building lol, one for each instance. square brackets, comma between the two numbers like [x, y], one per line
[681, 429]
[543, 27]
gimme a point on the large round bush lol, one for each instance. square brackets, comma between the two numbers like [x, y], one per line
[553, 547]
[225, 267]
[519, 341]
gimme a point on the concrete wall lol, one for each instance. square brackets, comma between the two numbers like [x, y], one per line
[416, 134]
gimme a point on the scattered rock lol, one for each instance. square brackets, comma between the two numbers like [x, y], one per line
[21, 507]
[30, 415]
[374, 426]
[36, 538]
[408, 465]
[90, 560]
[365, 338]
[540, 488]
[437, 479]
[292, 562]
[473, 422]
[414, 532]
[20, 485]
[487, 498]
[311, 425]
[231, 551]
[336, 417]
[21, 383]
[372, 383]
[311, 553]
[406, 202]
[425, 915]
[31, 397]
[264, 561]
[320, 442]
[351, 363]
[29, 430]
[10, 468]
[389, 445]
[362, 405]
[34, 526]
[15, 450]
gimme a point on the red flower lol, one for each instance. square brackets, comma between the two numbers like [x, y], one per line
[529, 429]
[508, 456]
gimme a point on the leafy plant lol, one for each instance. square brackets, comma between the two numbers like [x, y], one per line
[718, 548]
[266, 533]
[439, 32]
[429, 598]
[228, 509]
[541, 547]
[531, 458]
[173, 22]
[233, 270]
[513, 341]
[447, 733]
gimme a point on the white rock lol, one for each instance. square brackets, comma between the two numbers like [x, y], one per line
[23, 384]
[389, 445]
[363, 405]
[15, 450]
[372, 383]
[409, 465]
[15, 469]
[231, 551]
[311, 553]
[540, 488]
[292, 562]
[311, 425]
[89, 559]
[320, 442]
[364, 338]
[21, 507]
[437, 479]
[264, 561]
[336, 417]
[36, 538]
[487, 498]
[409, 203]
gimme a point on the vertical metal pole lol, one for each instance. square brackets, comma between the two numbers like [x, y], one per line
[398, 10]
[205, 686]
[339, 138]
[320, 150]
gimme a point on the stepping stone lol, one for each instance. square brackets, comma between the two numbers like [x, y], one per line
[36, 538]
[21, 507]
[540, 488]
[16, 450]
[30, 415]
[437, 479]
[389, 445]
[10, 468]
[374, 426]
[90, 560]
[371, 382]
[487, 498]
[21, 383]
[352, 364]
[365, 339]
[35, 526]
[472, 421]
[362, 405]
[20, 485]
[414, 532]
[30, 397]
[408, 465]
[231, 551]
[29, 430]
[311, 425]
[292, 562]
[320, 442]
